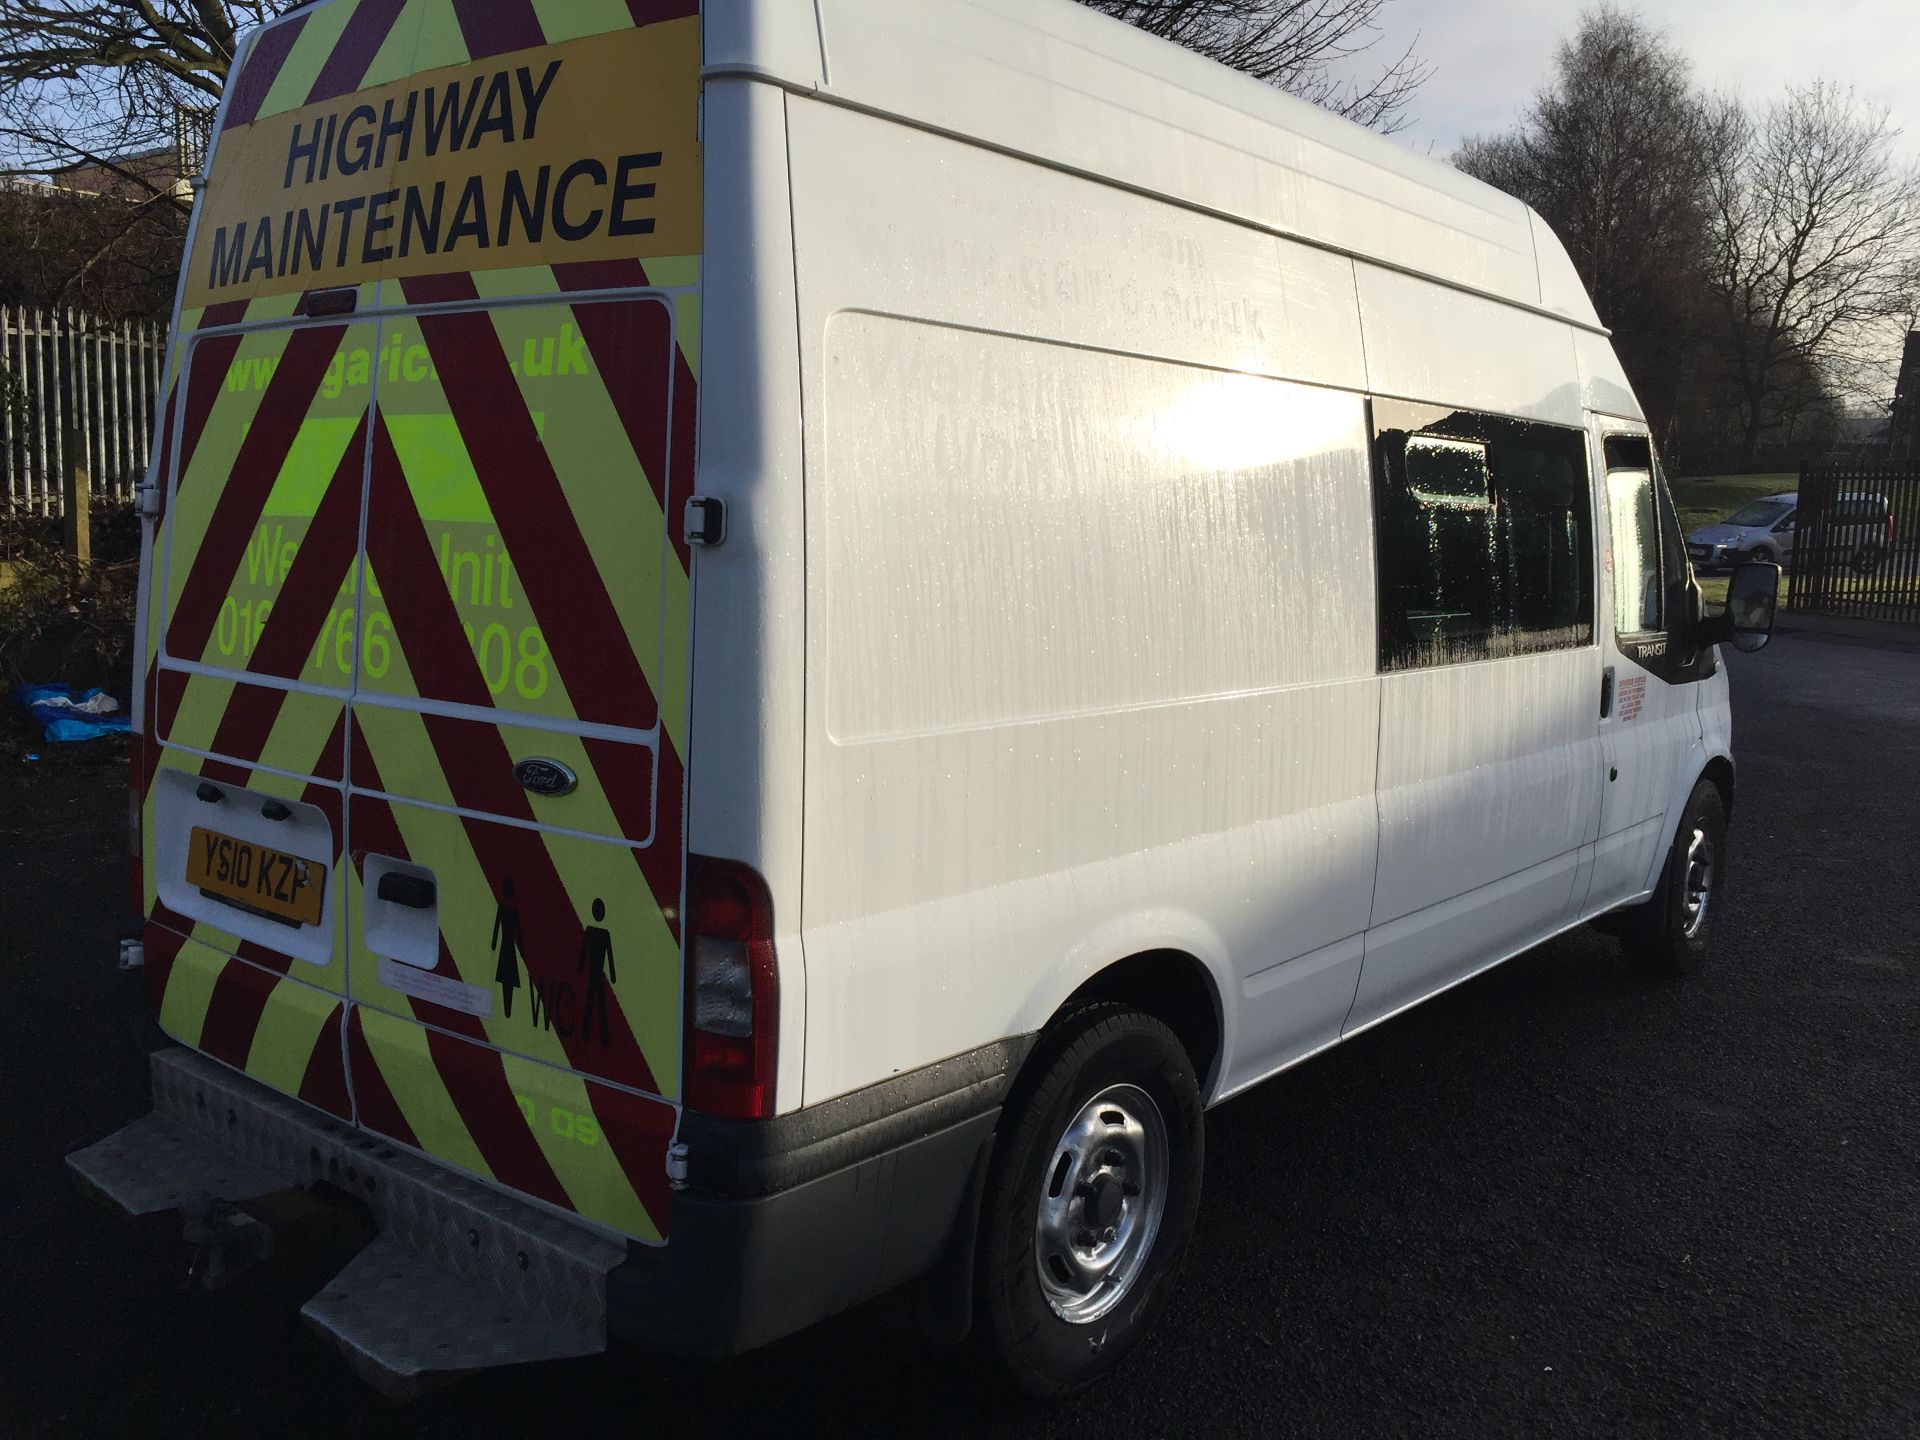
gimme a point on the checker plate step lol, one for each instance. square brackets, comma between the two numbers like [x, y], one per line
[460, 1278]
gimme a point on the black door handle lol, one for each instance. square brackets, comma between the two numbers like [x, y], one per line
[1606, 692]
[409, 890]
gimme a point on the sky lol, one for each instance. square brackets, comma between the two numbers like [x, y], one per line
[1489, 56]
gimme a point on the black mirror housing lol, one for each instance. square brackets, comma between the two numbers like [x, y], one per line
[1753, 595]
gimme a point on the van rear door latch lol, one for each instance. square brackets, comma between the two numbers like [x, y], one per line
[706, 521]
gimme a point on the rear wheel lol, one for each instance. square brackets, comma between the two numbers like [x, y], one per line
[1091, 1200]
[1867, 559]
[1670, 932]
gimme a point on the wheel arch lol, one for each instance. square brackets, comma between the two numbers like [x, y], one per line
[1177, 988]
[1719, 769]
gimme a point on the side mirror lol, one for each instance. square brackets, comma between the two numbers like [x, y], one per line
[1752, 596]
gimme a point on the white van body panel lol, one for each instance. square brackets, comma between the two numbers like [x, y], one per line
[1427, 342]
[744, 797]
[1071, 310]
[1074, 89]
[1172, 756]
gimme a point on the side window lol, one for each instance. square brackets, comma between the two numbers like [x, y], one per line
[1638, 595]
[1651, 572]
[1485, 536]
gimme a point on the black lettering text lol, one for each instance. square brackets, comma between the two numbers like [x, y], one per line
[378, 224]
[346, 210]
[577, 230]
[416, 219]
[496, 116]
[626, 189]
[533, 97]
[308, 239]
[260, 257]
[449, 123]
[532, 209]
[228, 255]
[470, 216]
[308, 150]
[356, 147]
[401, 130]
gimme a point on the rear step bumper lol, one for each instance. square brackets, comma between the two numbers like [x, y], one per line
[785, 1222]
[460, 1278]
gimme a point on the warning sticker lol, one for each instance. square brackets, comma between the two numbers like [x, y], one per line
[1633, 694]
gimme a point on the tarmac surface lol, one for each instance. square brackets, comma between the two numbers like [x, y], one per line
[1560, 1200]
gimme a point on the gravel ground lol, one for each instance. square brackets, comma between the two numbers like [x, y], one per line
[1561, 1199]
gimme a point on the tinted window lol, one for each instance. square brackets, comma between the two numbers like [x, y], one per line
[1760, 512]
[1484, 535]
[1861, 510]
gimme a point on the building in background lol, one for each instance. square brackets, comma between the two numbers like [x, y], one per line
[1903, 434]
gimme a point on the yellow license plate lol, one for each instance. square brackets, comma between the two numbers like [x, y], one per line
[255, 877]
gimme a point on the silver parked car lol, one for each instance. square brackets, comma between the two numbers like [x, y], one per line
[1861, 529]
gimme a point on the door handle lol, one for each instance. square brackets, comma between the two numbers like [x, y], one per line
[1606, 692]
[409, 890]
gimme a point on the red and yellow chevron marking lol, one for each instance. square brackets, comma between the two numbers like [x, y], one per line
[517, 455]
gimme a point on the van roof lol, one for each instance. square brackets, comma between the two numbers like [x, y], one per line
[1055, 81]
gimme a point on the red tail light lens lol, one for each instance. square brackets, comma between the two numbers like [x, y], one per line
[732, 991]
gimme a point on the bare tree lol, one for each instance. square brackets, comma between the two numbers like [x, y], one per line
[90, 82]
[1300, 46]
[1615, 153]
[124, 89]
[1816, 245]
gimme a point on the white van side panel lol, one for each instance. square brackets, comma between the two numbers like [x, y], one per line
[1091, 626]
[1425, 342]
[1603, 382]
[1054, 80]
[744, 793]
[1490, 772]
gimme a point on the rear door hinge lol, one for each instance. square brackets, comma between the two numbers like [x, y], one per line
[677, 1163]
[150, 501]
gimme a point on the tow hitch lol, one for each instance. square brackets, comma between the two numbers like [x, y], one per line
[422, 1274]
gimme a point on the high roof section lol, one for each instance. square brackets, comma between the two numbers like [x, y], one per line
[1058, 82]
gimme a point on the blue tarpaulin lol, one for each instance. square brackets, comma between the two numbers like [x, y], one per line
[66, 714]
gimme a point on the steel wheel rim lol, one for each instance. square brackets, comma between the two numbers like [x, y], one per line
[1103, 1193]
[1699, 882]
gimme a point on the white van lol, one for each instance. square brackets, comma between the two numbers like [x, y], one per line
[780, 637]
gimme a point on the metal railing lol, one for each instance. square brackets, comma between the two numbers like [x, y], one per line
[1856, 543]
[75, 389]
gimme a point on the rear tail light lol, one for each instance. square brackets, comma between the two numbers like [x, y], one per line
[732, 991]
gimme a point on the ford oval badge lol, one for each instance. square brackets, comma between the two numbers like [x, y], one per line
[545, 777]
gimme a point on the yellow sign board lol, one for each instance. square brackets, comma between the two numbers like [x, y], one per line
[587, 150]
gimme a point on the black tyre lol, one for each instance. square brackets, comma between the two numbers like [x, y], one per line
[1762, 553]
[1091, 1199]
[1669, 934]
[1867, 559]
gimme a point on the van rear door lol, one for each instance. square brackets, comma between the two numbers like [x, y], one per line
[515, 786]
[420, 601]
[252, 666]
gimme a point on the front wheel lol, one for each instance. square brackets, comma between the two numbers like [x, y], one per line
[1669, 933]
[1091, 1199]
